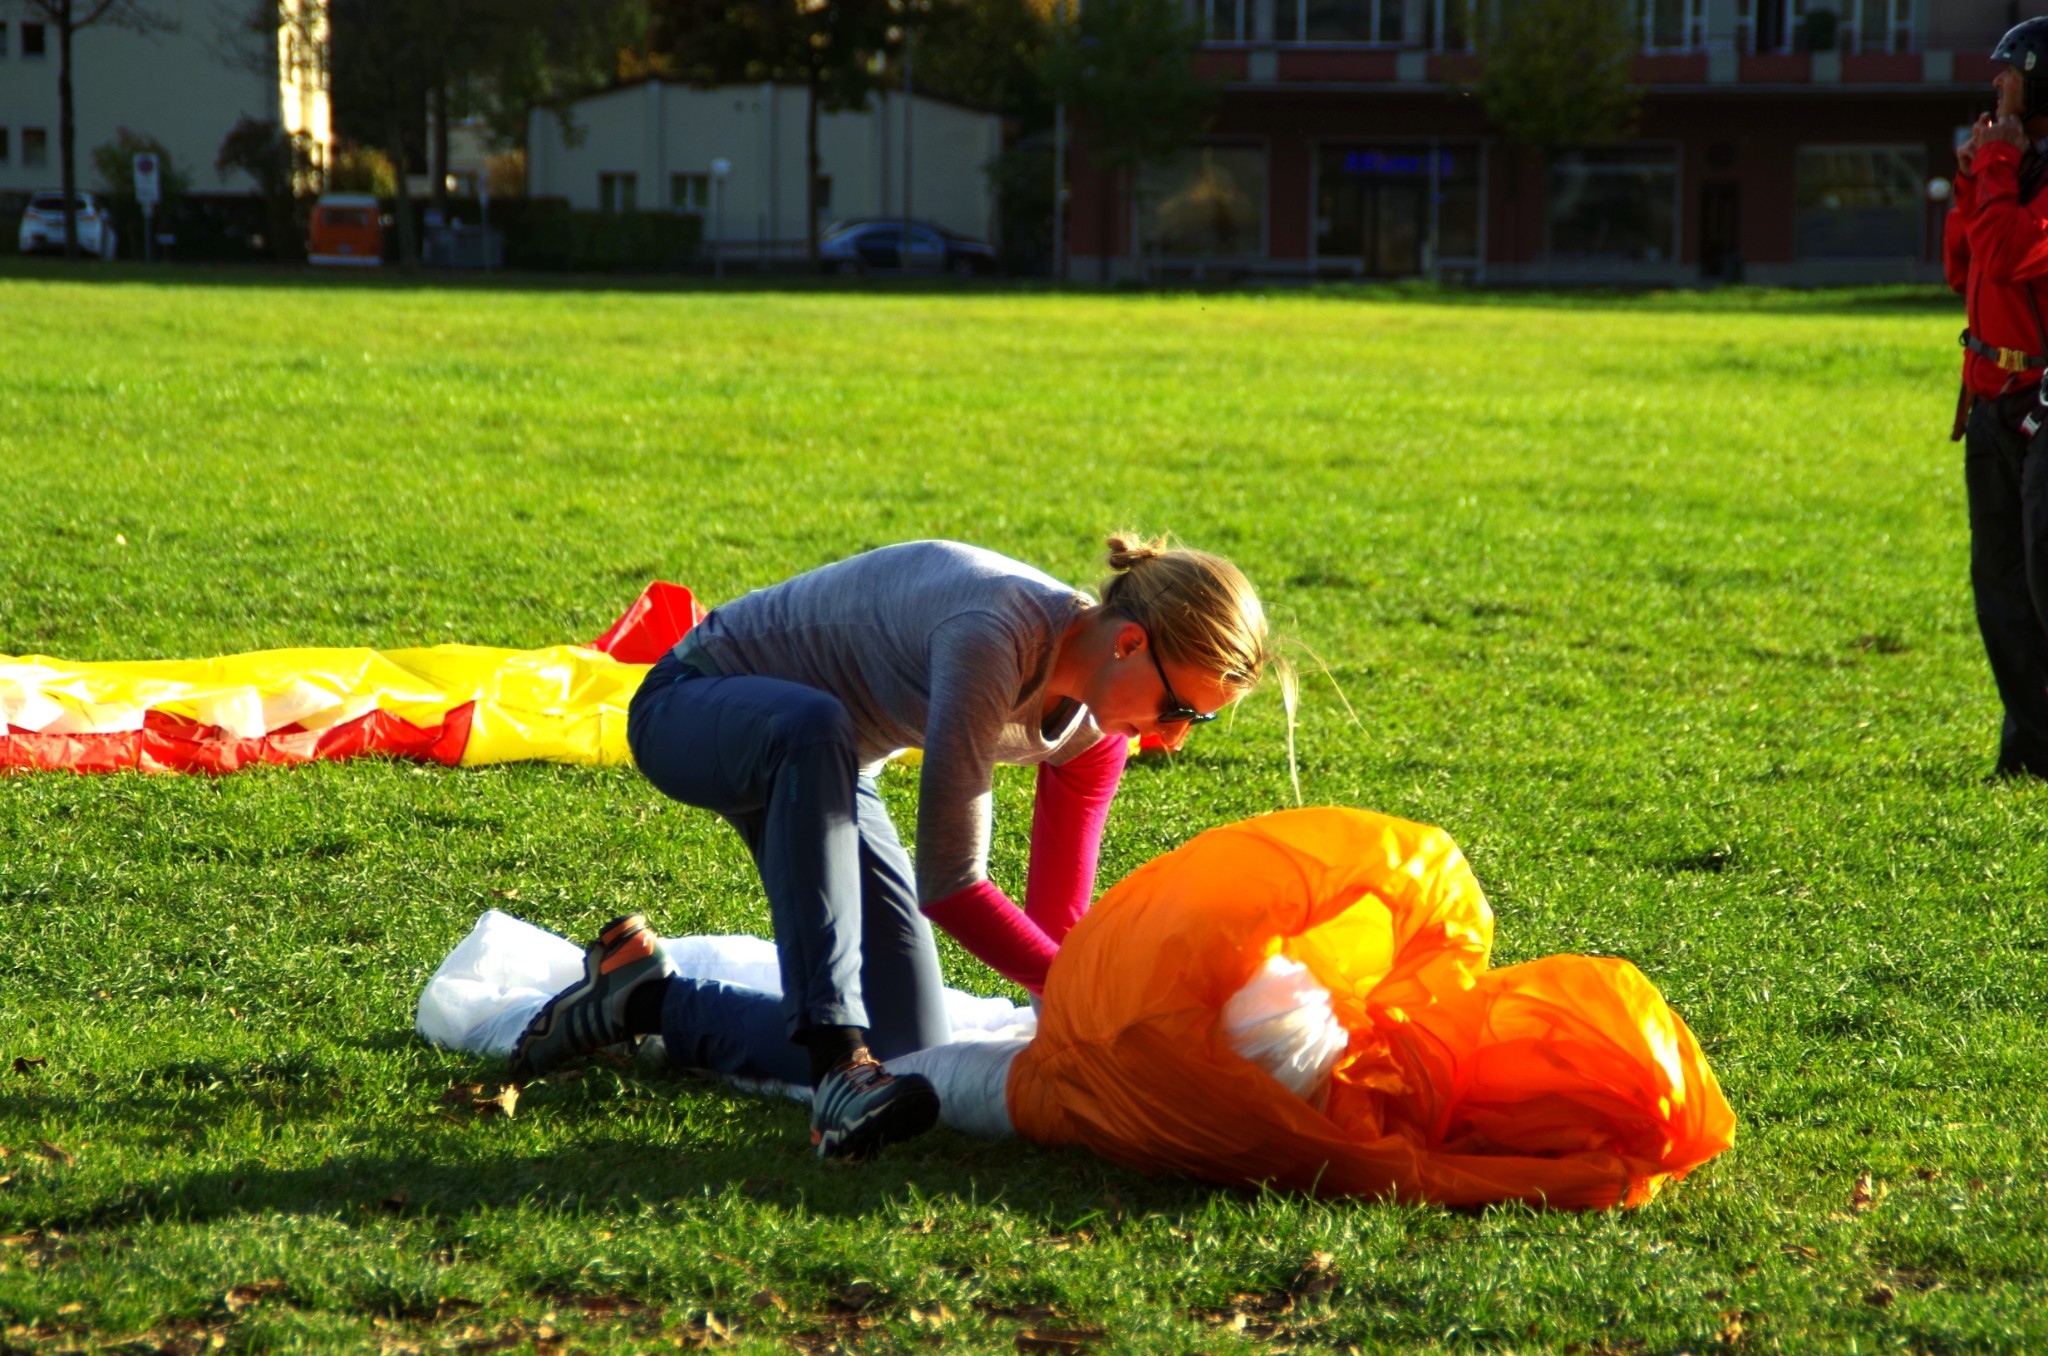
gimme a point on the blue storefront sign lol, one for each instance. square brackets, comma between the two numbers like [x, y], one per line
[1396, 164]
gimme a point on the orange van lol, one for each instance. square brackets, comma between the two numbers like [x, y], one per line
[347, 228]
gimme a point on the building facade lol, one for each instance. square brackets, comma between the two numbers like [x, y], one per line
[1779, 141]
[186, 83]
[655, 144]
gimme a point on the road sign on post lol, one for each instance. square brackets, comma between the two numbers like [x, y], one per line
[148, 192]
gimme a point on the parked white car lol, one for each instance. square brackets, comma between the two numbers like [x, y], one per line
[42, 225]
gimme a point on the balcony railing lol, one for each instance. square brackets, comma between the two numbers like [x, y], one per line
[1760, 27]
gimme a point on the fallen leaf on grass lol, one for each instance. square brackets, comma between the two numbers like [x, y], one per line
[56, 1153]
[931, 1318]
[1880, 1295]
[66, 1310]
[1733, 1326]
[241, 1297]
[768, 1299]
[856, 1297]
[1318, 1277]
[28, 1064]
[1062, 1341]
[501, 1105]
[1926, 1174]
[1862, 1195]
[1800, 1252]
[472, 1095]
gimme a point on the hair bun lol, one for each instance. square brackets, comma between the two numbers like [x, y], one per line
[1126, 549]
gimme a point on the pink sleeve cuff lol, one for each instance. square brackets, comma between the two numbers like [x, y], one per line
[1068, 812]
[982, 919]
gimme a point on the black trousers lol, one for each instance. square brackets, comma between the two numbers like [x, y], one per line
[2008, 488]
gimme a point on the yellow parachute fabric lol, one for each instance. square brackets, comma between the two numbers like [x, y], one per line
[1564, 1081]
[468, 703]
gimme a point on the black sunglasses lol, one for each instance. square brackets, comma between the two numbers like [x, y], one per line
[1176, 711]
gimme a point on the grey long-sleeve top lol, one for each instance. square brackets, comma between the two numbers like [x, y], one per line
[930, 645]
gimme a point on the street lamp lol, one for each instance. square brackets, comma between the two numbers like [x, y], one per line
[719, 169]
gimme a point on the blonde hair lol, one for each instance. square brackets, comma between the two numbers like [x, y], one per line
[1199, 609]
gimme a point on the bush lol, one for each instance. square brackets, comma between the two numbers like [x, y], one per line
[547, 234]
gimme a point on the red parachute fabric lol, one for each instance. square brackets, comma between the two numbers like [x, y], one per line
[658, 618]
[168, 743]
[1564, 1082]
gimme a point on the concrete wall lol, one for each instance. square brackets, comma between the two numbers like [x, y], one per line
[187, 88]
[654, 130]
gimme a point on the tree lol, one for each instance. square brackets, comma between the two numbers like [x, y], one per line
[1127, 69]
[1558, 73]
[278, 161]
[69, 17]
[395, 59]
[988, 53]
[838, 50]
[113, 164]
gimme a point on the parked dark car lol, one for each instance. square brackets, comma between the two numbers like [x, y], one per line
[885, 245]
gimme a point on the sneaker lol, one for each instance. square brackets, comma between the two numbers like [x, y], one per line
[860, 1106]
[591, 1013]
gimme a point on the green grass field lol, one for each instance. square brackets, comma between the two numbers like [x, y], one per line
[1659, 605]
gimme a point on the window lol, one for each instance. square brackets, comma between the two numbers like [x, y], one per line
[31, 40]
[618, 192]
[35, 147]
[689, 192]
[1210, 200]
[1859, 202]
[1339, 20]
[1373, 205]
[1616, 203]
[1231, 20]
[1447, 25]
[1672, 25]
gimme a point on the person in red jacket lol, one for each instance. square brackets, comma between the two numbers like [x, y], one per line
[1995, 252]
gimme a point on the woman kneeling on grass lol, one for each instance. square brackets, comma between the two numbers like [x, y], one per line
[778, 710]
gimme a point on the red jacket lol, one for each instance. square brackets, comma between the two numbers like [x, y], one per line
[1995, 252]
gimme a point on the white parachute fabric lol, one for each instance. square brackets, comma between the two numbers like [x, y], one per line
[500, 975]
[1281, 1021]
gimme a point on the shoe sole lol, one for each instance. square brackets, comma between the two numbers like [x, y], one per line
[902, 1117]
[634, 940]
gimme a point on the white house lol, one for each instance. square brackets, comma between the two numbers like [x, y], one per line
[186, 84]
[652, 145]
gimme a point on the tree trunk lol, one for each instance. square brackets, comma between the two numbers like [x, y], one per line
[67, 133]
[408, 236]
[811, 173]
[1105, 191]
[437, 151]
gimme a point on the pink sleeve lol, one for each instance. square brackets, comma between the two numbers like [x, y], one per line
[982, 919]
[1070, 807]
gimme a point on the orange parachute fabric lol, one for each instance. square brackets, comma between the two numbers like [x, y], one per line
[1564, 1081]
[461, 705]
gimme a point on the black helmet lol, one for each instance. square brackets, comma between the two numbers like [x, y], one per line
[2026, 47]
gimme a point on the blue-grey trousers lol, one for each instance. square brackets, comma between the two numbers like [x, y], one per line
[778, 761]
